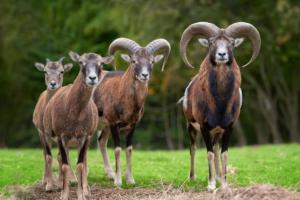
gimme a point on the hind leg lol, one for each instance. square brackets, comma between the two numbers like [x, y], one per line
[193, 135]
[102, 142]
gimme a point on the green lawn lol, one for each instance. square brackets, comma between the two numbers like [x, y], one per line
[274, 164]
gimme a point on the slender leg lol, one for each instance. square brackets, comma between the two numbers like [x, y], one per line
[72, 175]
[102, 142]
[224, 155]
[65, 169]
[193, 135]
[83, 190]
[60, 174]
[44, 180]
[210, 156]
[49, 185]
[115, 135]
[216, 153]
[128, 141]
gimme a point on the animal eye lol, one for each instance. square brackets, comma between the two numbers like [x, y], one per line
[133, 62]
[45, 72]
[61, 72]
[152, 61]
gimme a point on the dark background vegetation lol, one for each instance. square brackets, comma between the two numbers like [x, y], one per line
[35, 30]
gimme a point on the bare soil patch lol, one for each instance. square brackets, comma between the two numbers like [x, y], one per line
[256, 192]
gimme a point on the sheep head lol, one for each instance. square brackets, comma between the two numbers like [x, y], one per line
[91, 65]
[221, 42]
[142, 58]
[54, 72]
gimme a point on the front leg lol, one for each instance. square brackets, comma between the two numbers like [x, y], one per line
[224, 155]
[128, 141]
[83, 190]
[115, 135]
[216, 152]
[65, 169]
[210, 156]
[102, 142]
[44, 180]
[49, 158]
[193, 135]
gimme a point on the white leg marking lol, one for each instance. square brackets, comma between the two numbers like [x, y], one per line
[223, 183]
[196, 126]
[211, 179]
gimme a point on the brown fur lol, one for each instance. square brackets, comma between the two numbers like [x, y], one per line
[72, 116]
[124, 92]
[200, 88]
[54, 71]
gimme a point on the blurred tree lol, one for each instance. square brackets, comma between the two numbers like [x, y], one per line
[35, 30]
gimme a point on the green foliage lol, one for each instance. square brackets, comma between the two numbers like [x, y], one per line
[274, 164]
[35, 30]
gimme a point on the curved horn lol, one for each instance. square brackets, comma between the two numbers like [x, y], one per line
[159, 44]
[248, 30]
[123, 44]
[201, 28]
[61, 60]
[47, 59]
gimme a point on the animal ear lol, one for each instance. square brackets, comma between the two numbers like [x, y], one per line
[39, 66]
[158, 57]
[204, 42]
[238, 41]
[74, 56]
[108, 59]
[126, 57]
[68, 67]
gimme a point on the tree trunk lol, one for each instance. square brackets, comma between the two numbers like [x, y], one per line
[167, 125]
[179, 126]
[241, 134]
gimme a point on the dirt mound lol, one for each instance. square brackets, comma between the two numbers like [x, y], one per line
[257, 192]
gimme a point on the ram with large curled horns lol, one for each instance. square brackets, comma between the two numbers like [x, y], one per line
[120, 98]
[213, 98]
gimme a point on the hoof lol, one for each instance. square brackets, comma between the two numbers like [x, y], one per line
[129, 179]
[223, 186]
[110, 174]
[118, 183]
[218, 178]
[130, 182]
[194, 177]
[74, 181]
[48, 191]
[211, 187]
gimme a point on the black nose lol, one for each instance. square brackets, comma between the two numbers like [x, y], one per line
[145, 75]
[221, 54]
[52, 83]
[92, 77]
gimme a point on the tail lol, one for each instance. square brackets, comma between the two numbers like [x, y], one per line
[180, 100]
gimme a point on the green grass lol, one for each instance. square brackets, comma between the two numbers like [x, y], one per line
[274, 164]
